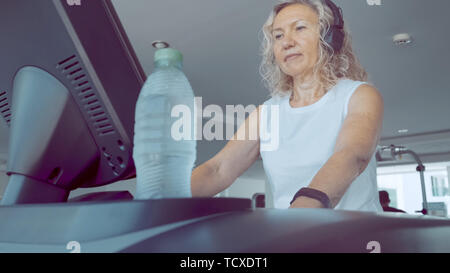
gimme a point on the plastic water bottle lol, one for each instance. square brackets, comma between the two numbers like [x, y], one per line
[163, 161]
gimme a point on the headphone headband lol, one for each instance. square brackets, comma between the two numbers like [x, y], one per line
[335, 35]
[337, 14]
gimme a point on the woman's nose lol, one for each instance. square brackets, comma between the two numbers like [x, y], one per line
[287, 42]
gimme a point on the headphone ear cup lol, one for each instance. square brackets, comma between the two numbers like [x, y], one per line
[335, 38]
[338, 37]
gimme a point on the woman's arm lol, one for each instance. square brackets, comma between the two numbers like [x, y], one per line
[218, 173]
[354, 147]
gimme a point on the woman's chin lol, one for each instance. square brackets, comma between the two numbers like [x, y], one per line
[296, 73]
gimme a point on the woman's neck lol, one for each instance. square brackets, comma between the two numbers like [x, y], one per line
[306, 90]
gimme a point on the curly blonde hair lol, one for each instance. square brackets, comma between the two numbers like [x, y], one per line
[330, 66]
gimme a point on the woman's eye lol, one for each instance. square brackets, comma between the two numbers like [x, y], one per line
[300, 27]
[277, 36]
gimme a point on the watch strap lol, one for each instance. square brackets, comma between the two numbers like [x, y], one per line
[315, 194]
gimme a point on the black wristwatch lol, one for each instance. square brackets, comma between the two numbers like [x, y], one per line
[315, 194]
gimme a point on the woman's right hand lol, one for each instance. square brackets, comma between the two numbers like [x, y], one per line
[218, 173]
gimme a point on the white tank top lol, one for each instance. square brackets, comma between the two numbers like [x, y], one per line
[306, 139]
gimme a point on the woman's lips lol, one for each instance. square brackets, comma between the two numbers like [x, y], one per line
[291, 56]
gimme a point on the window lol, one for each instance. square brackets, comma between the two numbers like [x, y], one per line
[439, 186]
[403, 184]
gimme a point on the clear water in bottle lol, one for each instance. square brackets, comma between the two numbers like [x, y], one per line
[163, 162]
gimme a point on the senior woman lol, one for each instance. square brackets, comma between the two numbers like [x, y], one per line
[329, 118]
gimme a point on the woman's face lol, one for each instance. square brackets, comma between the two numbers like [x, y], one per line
[296, 31]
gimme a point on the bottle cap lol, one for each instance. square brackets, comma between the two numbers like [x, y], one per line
[160, 44]
[164, 52]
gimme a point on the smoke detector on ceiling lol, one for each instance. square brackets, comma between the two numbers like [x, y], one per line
[402, 39]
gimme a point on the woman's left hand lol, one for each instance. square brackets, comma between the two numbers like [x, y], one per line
[306, 202]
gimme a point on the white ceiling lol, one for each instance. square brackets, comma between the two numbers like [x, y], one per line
[220, 41]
